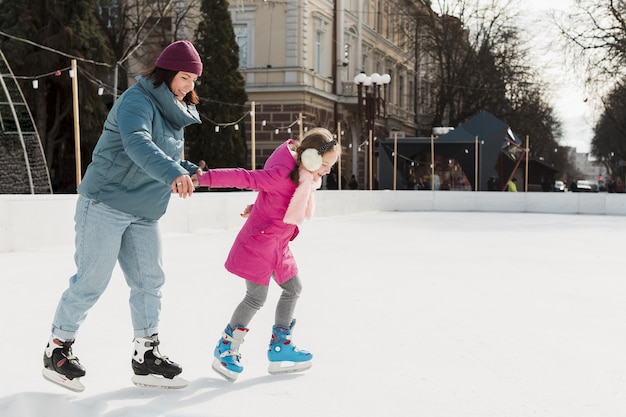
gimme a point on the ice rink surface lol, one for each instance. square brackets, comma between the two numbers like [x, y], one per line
[429, 314]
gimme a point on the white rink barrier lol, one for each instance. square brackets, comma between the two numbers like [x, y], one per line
[35, 221]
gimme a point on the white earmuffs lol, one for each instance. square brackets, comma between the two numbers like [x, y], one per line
[311, 159]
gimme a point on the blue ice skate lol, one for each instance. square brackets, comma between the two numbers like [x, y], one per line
[226, 362]
[283, 355]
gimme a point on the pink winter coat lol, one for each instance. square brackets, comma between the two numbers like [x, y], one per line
[261, 249]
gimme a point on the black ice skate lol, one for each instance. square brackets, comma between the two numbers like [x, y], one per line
[61, 366]
[153, 370]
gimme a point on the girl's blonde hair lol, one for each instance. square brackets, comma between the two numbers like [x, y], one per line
[319, 139]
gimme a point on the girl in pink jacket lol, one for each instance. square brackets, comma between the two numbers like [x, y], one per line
[261, 251]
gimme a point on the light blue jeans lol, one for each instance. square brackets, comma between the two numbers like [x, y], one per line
[103, 236]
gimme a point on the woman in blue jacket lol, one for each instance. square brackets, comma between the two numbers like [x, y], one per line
[136, 165]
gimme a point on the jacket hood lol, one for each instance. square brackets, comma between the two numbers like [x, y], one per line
[285, 155]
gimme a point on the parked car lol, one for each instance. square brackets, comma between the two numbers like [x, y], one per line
[585, 186]
[559, 186]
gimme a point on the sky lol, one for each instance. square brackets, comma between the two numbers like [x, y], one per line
[573, 103]
[428, 314]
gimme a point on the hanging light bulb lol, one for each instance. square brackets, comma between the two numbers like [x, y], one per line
[277, 131]
[100, 91]
[217, 129]
[288, 130]
[236, 127]
[71, 72]
[264, 122]
[35, 84]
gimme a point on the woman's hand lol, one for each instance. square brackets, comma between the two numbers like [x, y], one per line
[183, 185]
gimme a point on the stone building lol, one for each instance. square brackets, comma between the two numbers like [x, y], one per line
[299, 59]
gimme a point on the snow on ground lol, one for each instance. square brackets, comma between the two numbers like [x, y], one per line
[407, 314]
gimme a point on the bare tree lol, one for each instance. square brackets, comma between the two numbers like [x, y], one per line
[478, 61]
[138, 29]
[595, 32]
[608, 143]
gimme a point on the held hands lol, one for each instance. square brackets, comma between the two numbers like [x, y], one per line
[195, 180]
[183, 185]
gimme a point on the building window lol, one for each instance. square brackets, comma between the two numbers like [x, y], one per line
[366, 58]
[401, 91]
[391, 88]
[411, 96]
[241, 37]
[321, 44]
[317, 59]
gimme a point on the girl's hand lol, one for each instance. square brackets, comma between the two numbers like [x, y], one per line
[195, 180]
[246, 211]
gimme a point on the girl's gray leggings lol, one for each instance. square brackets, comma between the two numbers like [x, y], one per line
[255, 298]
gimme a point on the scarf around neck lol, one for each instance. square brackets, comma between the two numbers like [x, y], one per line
[302, 204]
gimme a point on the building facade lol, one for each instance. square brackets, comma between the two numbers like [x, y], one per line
[299, 59]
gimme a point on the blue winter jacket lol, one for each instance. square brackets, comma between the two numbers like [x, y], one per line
[138, 154]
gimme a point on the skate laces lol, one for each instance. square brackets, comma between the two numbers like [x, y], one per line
[66, 350]
[234, 354]
[234, 341]
[230, 338]
[154, 344]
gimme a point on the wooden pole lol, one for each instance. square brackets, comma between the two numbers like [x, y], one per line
[301, 125]
[432, 162]
[253, 135]
[115, 81]
[476, 166]
[527, 155]
[339, 159]
[395, 159]
[76, 122]
[371, 154]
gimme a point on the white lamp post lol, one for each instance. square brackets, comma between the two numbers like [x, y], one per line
[373, 101]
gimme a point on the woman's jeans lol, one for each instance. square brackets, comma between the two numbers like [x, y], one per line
[103, 236]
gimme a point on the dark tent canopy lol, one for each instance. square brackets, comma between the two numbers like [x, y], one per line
[484, 134]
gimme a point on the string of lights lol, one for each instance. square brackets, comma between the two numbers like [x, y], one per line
[102, 88]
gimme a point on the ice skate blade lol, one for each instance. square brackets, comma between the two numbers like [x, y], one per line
[158, 381]
[224, 372]
[59, 379]
[288, 367]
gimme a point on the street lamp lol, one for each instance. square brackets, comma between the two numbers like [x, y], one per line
[374, 100]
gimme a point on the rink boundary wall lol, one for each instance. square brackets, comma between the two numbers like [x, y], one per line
[36, 221]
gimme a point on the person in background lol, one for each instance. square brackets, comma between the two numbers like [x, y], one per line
[353, 184]
[512, 185]
[285, 186]
[136, 166]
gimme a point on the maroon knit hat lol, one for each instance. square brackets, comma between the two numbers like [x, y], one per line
[180, 56]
